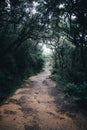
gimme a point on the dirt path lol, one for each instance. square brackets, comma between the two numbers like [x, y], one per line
[37, 106]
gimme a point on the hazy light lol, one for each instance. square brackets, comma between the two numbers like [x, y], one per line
[8, 5]
[61, 6]
[73, 17]
[35, 4]
[46, 50]
[34, 11]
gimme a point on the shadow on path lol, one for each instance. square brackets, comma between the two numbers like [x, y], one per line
[38, 105]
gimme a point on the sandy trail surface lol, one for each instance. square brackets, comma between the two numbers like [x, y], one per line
[37, 105]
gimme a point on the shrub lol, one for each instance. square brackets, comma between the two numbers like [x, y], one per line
[82, 91]
[79, 91]
[71, 89]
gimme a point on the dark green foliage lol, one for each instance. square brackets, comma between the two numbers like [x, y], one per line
[26, 61]
[20, 53]
[70, 45]
[16, 68]
[71, 89]
[61, 24]
[79, 91]
[55, 75]
[82, 91]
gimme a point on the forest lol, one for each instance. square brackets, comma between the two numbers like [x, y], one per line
[61, 25]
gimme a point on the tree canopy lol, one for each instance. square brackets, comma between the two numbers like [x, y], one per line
[61, 24]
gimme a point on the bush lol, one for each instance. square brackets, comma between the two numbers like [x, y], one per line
[26, 61]
[55, 75]
[79, 91]
[82, 91]
[71, 89]
[55, 71]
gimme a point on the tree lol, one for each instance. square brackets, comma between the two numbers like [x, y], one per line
[20, 54]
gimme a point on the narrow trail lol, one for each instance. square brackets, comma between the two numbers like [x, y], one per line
[37, 106]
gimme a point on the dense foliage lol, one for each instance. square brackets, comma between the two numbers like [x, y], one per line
[20, 52]
[61, 24]
[69, 42]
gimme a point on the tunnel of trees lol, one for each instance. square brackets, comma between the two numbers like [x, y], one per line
[61, 24]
